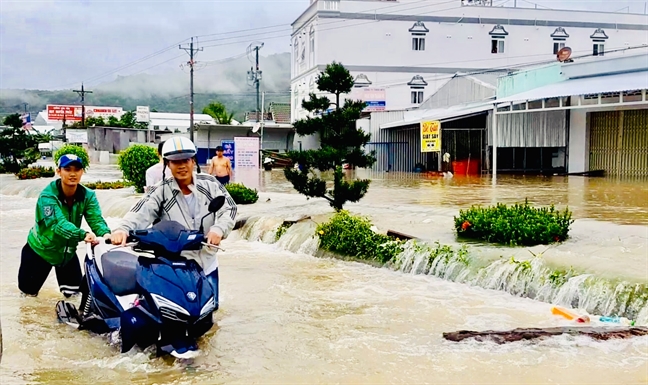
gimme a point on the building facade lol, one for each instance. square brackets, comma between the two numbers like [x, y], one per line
[405, 50]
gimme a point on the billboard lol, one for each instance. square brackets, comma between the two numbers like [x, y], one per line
[73, 113]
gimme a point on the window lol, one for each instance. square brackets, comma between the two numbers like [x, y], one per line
[498, 34]
[598, 39]
[417, 85]
[559, 37]
[417, 97]
[418, 44]
[497, 46]
[418, 31]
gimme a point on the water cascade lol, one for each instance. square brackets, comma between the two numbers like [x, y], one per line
[531, 278]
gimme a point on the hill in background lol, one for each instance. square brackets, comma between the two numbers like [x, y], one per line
[224, 81]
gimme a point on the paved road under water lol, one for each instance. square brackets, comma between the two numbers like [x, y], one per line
[293, 318]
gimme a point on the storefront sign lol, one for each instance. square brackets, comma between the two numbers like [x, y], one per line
[431, 136]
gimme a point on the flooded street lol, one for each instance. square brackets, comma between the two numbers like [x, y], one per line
[289, 317]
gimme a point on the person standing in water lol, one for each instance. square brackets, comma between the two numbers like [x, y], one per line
[154, 173]
[53, 240]
[220, 167]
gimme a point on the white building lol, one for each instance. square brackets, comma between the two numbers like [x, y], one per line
[409, 48]
[173, 121]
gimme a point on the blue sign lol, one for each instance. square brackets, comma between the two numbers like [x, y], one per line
[374, 104]
[228, 150]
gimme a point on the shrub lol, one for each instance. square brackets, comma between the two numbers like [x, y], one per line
[517, 225]
[99, 185]
[134, 161]
[352, 236]
[241, 194]
[35, 172]
[282, 230]
[73, 149]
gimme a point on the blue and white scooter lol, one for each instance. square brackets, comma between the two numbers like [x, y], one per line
[163, 299]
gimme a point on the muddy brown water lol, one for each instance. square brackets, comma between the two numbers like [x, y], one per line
[292, 318]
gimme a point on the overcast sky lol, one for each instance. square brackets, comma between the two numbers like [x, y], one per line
[53, 44]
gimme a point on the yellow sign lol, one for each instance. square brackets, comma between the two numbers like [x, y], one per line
[431, 136]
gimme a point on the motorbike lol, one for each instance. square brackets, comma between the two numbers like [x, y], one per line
[148, 294]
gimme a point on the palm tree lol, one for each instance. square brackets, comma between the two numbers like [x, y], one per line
[217, 111]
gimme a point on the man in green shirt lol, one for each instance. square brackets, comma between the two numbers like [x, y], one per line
[54, 238]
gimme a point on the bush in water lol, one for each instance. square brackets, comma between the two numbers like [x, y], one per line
[517, 225]
[99, 185]
[75, 150]
[352, 236]
[35, 172]
[134, 161]
[241, 194]
[282, 230]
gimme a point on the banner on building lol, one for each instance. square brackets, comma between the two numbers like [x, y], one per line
[376, 98]
[228, 151]
[431, 136]
[71, 113]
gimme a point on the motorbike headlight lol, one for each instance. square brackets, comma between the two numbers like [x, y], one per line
[162, 302]
[209, 306]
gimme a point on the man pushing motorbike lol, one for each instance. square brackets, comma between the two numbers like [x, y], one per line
[184, 198]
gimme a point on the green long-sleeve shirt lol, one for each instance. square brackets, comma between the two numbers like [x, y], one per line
[57, 231]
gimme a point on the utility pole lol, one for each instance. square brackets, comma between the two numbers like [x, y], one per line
[25, 104]
[82, 93]
[191, 51]
[255, 76]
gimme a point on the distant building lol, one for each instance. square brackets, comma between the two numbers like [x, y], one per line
[404, 51]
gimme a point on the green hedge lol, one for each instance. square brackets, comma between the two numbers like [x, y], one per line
[241, 194]
[352, 236]
[73, 149]
[35, 172]
[99, 185]
[516, 225]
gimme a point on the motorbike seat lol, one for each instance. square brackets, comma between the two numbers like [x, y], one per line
[119, 272]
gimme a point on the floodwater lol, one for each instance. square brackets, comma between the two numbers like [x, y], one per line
[292, 318]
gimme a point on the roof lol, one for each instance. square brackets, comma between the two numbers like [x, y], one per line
[441, 114]
[280, 112]
[584, 86]
[176, 116]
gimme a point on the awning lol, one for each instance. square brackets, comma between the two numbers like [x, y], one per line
[440, 114]
[585, 86]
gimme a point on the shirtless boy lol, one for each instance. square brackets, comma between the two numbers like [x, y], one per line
[220, 167]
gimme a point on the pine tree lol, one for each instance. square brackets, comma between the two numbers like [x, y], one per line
[341, 142]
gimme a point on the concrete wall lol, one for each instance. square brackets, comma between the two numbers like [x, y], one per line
[114, 139]
[578, 142]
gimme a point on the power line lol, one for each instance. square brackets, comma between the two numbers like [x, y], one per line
[82, 93]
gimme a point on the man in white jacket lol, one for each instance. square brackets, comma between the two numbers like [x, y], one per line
[184, 198]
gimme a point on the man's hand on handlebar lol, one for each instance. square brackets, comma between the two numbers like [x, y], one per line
[91, 238]
[213, 238]
[118, 237]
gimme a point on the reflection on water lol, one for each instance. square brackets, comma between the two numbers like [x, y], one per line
[293, 318]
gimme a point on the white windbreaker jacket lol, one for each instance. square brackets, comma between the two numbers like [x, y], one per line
[165, 201]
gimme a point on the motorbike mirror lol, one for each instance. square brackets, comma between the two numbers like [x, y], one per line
[216, 204]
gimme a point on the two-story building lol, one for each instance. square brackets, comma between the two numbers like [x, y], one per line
[401, 52]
